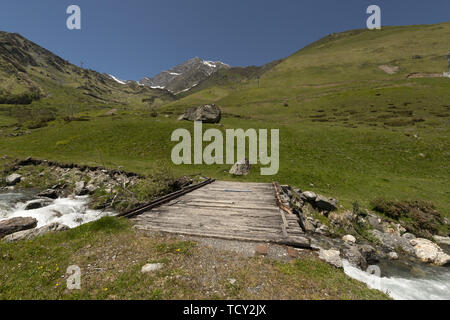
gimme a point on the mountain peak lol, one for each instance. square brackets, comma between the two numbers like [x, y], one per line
[185, 75]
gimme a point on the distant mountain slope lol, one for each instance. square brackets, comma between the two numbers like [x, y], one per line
[29, 72]
[184, 76]
[345, 60]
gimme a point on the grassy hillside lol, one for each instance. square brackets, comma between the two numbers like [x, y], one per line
[50, 86]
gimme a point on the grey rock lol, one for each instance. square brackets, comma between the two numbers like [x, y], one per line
[49, 193]
[37, 204]
[309, 227]
[392, 242]
[208, 113]
[13, 179]
[408, 236]
[332, 257]
[16, 224]
[241, 168]
[327, 204]
[34, 233]
[393, 255]
[91, 188]
[429, 252]
[80, 189]
[442, 240]
[369, 253]
[322, 229]
[354, 256]
[309, 196]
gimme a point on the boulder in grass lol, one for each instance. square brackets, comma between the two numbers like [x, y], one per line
[13, 179]
[208, 113]
[16, 224]
[327, 204]
[241, 168]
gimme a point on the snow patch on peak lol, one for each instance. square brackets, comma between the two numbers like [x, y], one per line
[116, 80]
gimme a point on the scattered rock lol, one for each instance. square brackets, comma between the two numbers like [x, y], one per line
[442, 240]
[16, 224]
[150, 267]
[393, 255]
[309, 227]
[241, 168]
[429, 252]
[34, 233]
[354, 256]
[349, 238]
[332, 257]
[13, 179]
[309, 196]
[322, 229]
[392, 241]
[80, 189]
[37, 204]
[208, 113]
[327, 204]
[49, 193]
[369, 253]
[408, 236]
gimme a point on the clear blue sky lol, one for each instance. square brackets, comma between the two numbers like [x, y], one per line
[135, 38]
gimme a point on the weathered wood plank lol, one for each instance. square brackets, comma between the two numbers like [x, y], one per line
[229, 210]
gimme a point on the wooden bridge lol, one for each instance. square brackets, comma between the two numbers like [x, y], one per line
[227, 210]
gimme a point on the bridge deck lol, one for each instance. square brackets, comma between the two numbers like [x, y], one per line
[228, 210]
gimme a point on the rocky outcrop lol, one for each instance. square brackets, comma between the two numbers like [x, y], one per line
[34, 233]
[208, 113]
[241, 168]
[16, 224]
[429, 252]
[392, 242]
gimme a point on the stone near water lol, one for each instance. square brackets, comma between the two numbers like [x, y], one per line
[355, 257]
[80, 189]
[442, 240]
[241, 168]
[151, 267]
[16, 224]
[393, 255]
[13, 179]
[208, 113]
[34, 233]
[429, 252]
[332, 257]
[37, 204]
[49, 193]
